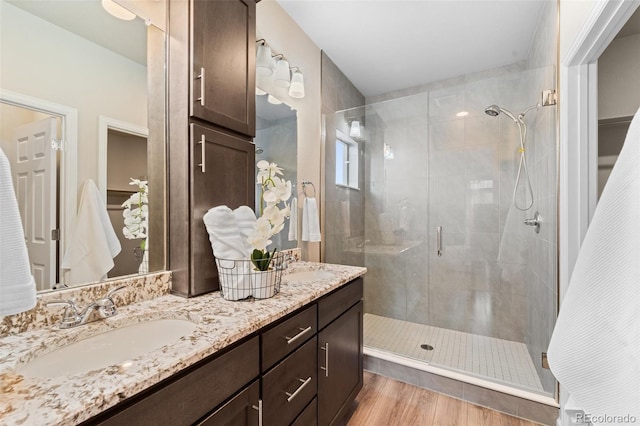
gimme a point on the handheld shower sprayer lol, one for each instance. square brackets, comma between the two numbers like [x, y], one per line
[494, 111]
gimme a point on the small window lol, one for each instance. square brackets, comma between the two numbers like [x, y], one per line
[346, 161]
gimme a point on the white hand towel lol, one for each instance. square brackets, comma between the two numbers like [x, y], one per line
[93, 245]
[229, 245]
[293, 220]
[17, 286]
[595, 348]
[310, 220]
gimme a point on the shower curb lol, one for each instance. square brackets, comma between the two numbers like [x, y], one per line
[534, 411]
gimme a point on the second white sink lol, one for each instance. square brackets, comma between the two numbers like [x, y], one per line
[109, 348]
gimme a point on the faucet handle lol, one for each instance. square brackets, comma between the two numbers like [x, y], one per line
[71, 317]
[114, 291]
[106, 305]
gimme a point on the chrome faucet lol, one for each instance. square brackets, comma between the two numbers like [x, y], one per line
[104, 307]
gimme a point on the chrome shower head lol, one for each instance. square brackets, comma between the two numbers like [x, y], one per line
[495, 110]
[492, 110]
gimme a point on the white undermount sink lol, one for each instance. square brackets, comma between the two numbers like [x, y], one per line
[313, 275]
[109, 348]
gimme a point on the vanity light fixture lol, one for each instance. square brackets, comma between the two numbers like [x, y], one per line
[274, 69]
[296, 90]
[282, 76]
[354, 130]
[264, 59]
[118, 11]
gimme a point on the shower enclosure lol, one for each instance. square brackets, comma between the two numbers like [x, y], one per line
[423, 198]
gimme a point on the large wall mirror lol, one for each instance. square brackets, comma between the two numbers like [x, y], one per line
[82, 110]
[277, 142]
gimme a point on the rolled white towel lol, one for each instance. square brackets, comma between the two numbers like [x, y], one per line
[17, 286]
[246, 221]
[229, 246]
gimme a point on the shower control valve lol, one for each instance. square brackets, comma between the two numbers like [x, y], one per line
[535, 221]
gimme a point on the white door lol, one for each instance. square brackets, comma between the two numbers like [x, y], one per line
[34, 177]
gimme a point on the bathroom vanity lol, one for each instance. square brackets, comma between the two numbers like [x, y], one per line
[293, 359]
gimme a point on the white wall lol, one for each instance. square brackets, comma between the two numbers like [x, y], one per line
[285, 36]
[619, 78]
[573, 15]
[45, 61]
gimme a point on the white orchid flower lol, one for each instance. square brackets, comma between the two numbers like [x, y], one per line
[136, 211]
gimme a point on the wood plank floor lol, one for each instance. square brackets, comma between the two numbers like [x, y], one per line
[387, 402]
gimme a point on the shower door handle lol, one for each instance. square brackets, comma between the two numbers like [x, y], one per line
[439, 240]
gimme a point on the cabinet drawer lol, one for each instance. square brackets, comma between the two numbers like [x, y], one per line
[191, 396]
[333, 305]
[241, 410]
[309, 416]
[287, 336]
[288, 388]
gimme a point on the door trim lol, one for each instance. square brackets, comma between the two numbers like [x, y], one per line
[104, 124]
[69, 163]
[578, 120]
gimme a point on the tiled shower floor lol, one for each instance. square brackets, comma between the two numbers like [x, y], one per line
[487, 357]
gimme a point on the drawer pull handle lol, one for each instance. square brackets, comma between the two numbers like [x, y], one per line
[259, 409]
[202, 84]
[203, 145]
[293, 395]
[325, 348]
[290, 340]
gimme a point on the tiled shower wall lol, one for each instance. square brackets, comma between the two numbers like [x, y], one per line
[496, 277]
[343, 216]
[459, 173]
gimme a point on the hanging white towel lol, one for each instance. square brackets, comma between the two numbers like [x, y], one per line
[93, 244]
[293, 220]
[310, 221]
[17, 286]
[595, 347]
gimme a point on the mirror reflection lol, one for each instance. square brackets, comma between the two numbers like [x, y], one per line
[276, 141]
[74, 125]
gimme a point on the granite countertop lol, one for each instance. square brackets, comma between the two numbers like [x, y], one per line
[73, 399]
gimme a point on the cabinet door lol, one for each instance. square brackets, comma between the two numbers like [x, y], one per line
[339, 365]
[222, 173]
[223, 42]
[241, 410]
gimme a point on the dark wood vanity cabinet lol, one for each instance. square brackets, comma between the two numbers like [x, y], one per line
[340, 357]
[287, 373]
[222, 173]
[222, 88]
[211, 158]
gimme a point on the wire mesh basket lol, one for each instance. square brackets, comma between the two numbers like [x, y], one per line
[240, 280]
